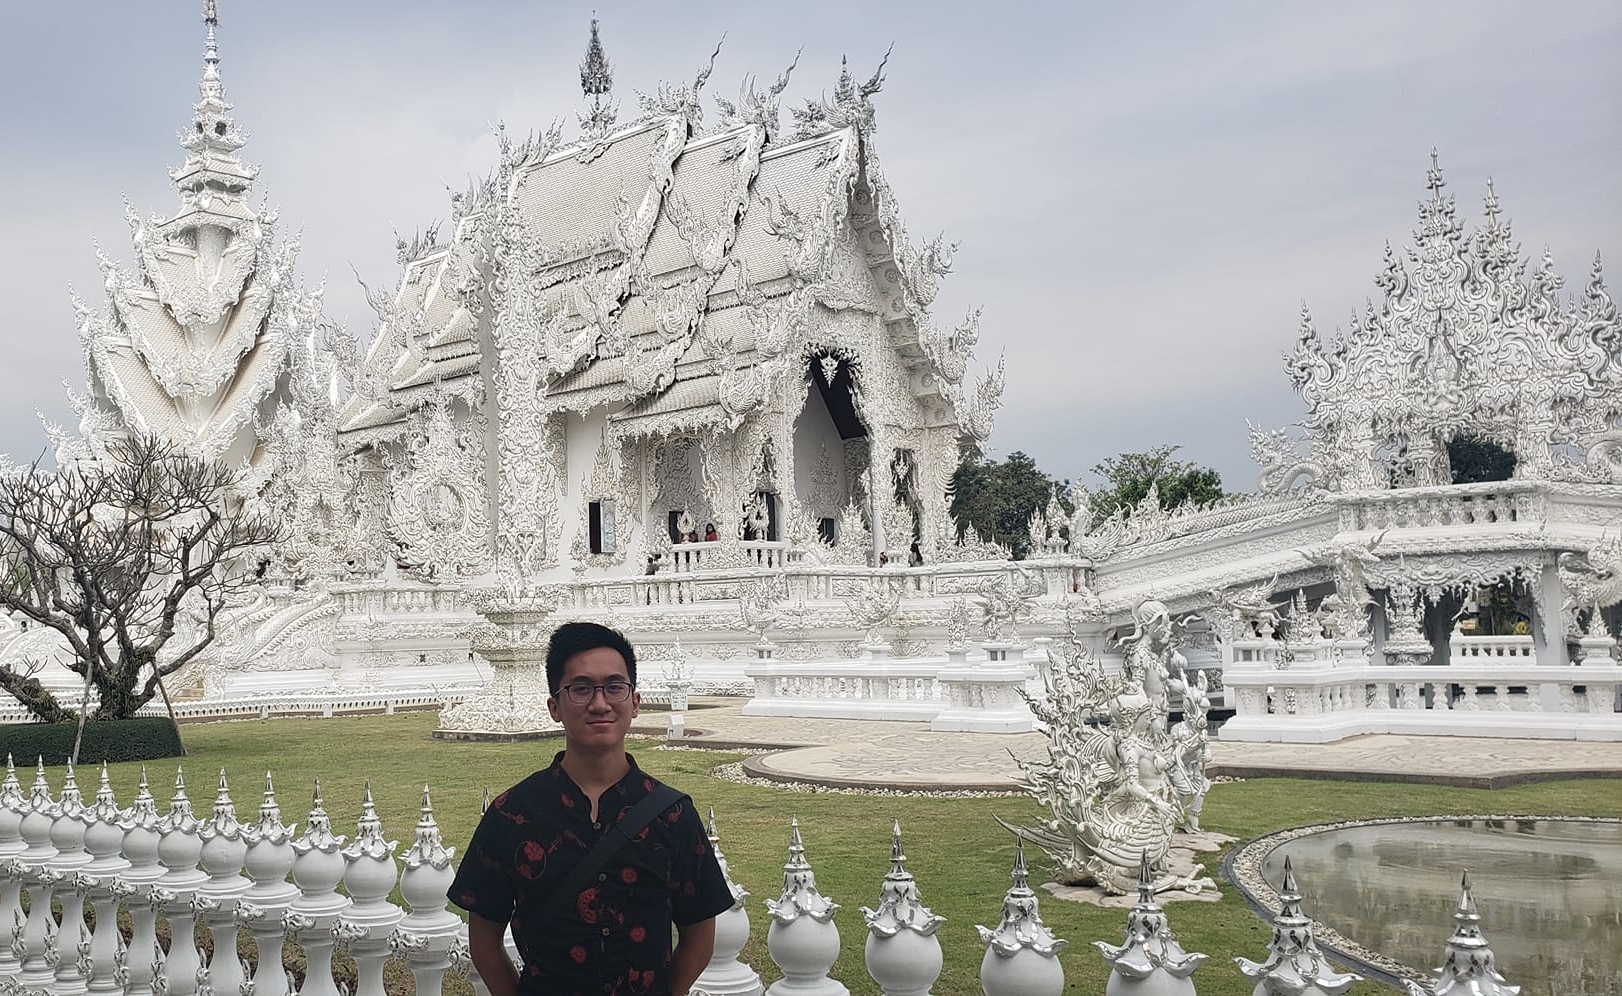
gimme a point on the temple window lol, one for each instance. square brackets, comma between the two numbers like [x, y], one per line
[600, 526]
[827, 530]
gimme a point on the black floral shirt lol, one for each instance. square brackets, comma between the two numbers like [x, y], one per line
[614, 939]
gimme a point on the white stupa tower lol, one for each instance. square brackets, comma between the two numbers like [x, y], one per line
[198, 345]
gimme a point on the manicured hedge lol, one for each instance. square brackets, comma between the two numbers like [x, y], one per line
[139, 739]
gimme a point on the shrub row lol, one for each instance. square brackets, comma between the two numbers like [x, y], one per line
[141, 739]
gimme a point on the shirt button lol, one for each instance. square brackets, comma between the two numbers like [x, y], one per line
[602, 878]
[605, 931]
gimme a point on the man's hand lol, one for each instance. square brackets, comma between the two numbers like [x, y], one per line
[486, 944]
[695, 945]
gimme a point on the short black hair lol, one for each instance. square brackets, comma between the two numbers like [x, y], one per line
[577, 637]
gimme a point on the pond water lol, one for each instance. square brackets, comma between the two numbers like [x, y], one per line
[1549, 893]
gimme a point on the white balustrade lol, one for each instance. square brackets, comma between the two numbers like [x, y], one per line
[238, 874]
[13, 807]
[1492, 649]
[1306, 705]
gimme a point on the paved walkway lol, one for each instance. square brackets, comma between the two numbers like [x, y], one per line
[895, 755]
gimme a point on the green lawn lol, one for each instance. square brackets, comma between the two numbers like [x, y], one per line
[959, 854]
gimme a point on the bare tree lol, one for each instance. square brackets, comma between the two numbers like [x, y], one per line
[118, 555]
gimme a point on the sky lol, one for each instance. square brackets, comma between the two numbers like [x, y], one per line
[1144, 194]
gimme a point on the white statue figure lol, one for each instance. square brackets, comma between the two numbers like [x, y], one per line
[1117, 792]
[1191, 748]
[1149, 651]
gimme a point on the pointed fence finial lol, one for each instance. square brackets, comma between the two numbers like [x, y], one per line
[1468, 964]
[1150, 960]
[1294, 963]
[1022, 955]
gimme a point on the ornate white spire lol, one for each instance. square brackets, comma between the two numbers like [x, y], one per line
[596, 83]
[213, 178]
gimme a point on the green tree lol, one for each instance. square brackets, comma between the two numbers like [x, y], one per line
[120, 555]
[1131, 475]
[998, 497]
[1475, 460]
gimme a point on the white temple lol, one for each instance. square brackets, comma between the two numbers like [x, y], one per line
[680, 375]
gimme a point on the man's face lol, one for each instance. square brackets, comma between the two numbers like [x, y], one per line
[598, 722]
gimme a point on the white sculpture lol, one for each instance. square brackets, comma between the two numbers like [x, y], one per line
[1115, 796]
[803, 939]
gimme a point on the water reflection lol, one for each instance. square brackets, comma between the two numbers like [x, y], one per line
[1549, 891]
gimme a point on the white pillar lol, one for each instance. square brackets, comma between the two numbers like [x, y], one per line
[318, 866]
[39, 930]
[140, 826]
[429, 936]
[369, 877]
[1022, 955]
[104, 840]
[802, 939]
[221, 858]
[725, 975]
[268, 859]
[13, 807]
[903, 954]
[179, 848]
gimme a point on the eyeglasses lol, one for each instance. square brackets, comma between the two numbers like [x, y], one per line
[614, 692]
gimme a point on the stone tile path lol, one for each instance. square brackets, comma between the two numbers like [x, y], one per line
[867, 754]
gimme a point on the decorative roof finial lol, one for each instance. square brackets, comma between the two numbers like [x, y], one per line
[596, 76]
[211, 50]
[596, 81]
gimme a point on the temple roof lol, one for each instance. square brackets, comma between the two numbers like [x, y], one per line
[653, 253]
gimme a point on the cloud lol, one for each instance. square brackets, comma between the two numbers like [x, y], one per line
[1145, 194]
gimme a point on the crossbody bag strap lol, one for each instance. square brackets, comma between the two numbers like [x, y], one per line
[643, 813]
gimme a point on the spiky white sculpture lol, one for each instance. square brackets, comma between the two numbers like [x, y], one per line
[1294, 965]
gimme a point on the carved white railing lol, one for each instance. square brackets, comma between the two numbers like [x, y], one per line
[1303, 704]
[1498, 503]
[1492, 649]
[201, 863]
[325, 895]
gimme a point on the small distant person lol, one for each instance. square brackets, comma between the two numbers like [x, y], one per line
[692, 536]
[710, 535]
[591, 861]
[884, 558]
[915, 557]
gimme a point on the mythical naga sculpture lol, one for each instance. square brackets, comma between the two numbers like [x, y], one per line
[1281, 466]
[1593, 580]
[1117, 793]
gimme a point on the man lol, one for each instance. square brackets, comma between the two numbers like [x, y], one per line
[612, 936]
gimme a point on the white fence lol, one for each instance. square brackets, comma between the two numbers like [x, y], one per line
[1498, 698]
[321, 893]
